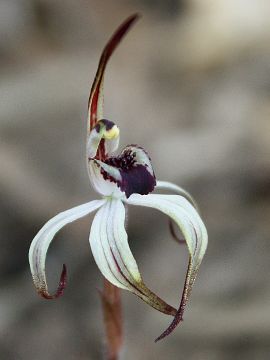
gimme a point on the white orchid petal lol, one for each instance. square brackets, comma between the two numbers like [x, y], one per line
[186, 217]
[168, 186]
[198, 244]
[41, 243]
[109, 244]
[119, 242]
[101, 250]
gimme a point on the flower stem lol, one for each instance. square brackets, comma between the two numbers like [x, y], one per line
[112, 316]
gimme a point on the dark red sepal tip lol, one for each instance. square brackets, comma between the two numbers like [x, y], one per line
[61, 287]
[179, 315]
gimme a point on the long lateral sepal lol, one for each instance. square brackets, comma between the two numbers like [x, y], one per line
[169, 186]
[41, 243]
[195, 234]
[175, 189]
[109, 244]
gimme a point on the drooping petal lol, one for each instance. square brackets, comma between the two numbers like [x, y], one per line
[194, 231]
[41, 243]
[178, 239]
[109, 244]
[168, 186]
[95, 102]
[131, 172]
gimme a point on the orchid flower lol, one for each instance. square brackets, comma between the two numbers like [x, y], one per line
[121, 180]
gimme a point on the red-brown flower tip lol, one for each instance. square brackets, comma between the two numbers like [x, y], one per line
[61, 287]
[116, 38]
[185, 294]
[96, 95]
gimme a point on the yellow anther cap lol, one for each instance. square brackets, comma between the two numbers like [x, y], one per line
[112, 133]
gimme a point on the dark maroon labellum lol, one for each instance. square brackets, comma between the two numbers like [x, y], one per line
[135, 177]
[137, 180]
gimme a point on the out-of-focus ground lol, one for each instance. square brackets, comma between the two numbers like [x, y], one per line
[191, 83]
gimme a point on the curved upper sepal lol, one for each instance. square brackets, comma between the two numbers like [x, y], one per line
[95, 102]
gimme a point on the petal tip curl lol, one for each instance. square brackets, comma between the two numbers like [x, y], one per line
[190, 224]
[43, 291]
[189, 281]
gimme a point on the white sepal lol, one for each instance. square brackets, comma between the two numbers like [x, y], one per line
[186, 217]
[168, 186]
[41, 242]
[109, 244]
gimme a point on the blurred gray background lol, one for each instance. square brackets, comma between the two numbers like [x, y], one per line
[190, 83]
